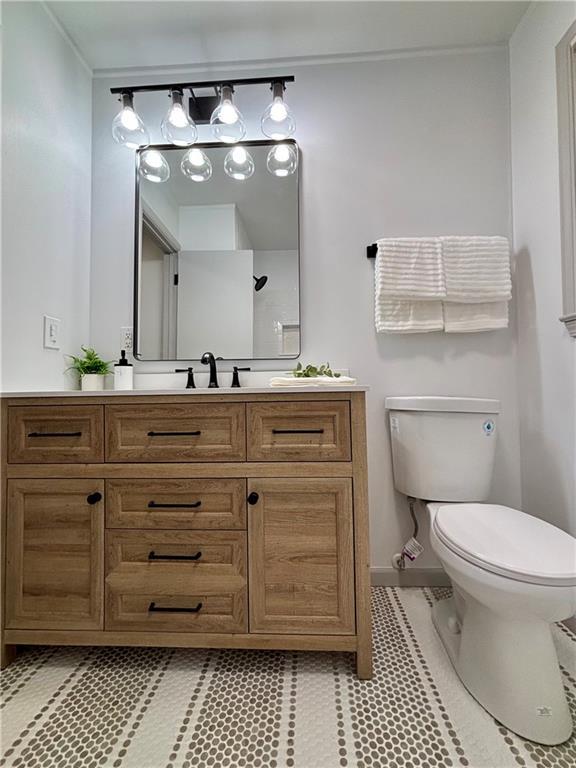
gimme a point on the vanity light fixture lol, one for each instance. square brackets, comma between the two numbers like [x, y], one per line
[282, 160]
[177, 127]
[127, 127]
[277, 121]
[153, 166]
[238, 164]
[196, 165]
[227, 123]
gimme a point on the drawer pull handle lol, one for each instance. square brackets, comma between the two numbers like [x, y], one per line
[174, 434]
[153, 556]
[157, 609]
[297, 431]
[253, 498]
[155, 505]
[94, 498]
[54, 434]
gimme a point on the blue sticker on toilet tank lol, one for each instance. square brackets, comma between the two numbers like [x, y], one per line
[488, 427]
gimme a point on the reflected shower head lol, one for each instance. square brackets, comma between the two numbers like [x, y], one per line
[260, 282]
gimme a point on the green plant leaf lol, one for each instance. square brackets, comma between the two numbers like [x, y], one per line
[90, 363]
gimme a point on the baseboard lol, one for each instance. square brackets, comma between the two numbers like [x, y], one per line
[411, 577]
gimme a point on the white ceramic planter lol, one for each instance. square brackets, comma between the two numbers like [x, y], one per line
[92, 382]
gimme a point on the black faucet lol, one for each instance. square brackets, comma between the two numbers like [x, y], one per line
[190, 380]
[209, 359]
[235, 377]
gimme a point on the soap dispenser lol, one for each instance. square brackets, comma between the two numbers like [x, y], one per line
[123, 373]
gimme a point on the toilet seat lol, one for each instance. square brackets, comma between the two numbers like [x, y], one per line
[508, 542]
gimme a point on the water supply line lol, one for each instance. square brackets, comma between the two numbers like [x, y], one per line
[412, 548]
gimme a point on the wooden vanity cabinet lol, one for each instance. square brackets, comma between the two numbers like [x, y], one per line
[221, 520]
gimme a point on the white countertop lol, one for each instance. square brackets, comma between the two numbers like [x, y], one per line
[193, 392]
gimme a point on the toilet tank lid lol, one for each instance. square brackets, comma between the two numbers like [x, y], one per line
[434, 403]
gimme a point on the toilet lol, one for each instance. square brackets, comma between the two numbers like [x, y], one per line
[513, 574]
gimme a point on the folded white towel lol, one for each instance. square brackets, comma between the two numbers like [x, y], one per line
[409, 268]
[312, 381]
[477, 269]
[471, 318]
[395, 316]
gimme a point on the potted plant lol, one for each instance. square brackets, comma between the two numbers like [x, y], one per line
[91, 369]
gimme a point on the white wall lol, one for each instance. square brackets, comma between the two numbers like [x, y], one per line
[419, 146]
[207, 227]
[159, 198]
[276, 302]
[152, 297]
[215, 307]
[547, 354]
[46, 135]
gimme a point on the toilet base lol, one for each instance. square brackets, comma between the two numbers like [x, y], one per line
[509, 666]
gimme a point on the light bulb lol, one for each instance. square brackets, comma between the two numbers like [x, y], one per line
[177, 127]
[128, 128]
[226, 121]
[238, 164]
[153, 166]
[277, 121]
[196, 165]
[282, 160]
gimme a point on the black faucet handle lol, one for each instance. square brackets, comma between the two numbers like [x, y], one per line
[190, 384]
[235, 377]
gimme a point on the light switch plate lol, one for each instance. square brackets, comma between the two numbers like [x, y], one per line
[52, 332]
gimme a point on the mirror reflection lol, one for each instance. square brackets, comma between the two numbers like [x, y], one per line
[217, 259]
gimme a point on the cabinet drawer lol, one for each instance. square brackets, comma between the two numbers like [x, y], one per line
[176, 433]
[176, 504]
[70, 434]
[299, 431]
[177, 581]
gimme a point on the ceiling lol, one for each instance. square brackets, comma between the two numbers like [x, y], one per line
[151, 34]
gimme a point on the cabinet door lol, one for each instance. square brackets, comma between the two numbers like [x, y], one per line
[55, 552]
[301, 556]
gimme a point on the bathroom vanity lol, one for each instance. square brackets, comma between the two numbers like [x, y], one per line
[203, 519]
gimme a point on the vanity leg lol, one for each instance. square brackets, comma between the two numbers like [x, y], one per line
[7, 655]
[364, 662]
[361, 544]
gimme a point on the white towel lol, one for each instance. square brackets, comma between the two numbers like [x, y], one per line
[471, 318]
[477, 269]
[396, 316]
[409, 268]
[312, 381]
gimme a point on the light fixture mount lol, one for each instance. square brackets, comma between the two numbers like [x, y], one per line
[192, 86]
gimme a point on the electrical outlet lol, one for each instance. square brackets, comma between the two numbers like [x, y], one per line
[51, 332]
[127, 338]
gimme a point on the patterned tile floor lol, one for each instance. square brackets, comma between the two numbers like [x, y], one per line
[163, 708]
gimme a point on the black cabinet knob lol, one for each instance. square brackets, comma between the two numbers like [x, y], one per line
[94, 498]
[253, 498]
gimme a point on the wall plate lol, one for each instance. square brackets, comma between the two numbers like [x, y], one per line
[52, 332]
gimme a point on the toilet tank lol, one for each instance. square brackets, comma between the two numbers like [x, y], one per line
[443, 447]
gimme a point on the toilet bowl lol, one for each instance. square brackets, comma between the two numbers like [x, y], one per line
[496, 628]
[513, 574]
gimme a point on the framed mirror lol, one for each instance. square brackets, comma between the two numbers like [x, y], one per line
[217, 261]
